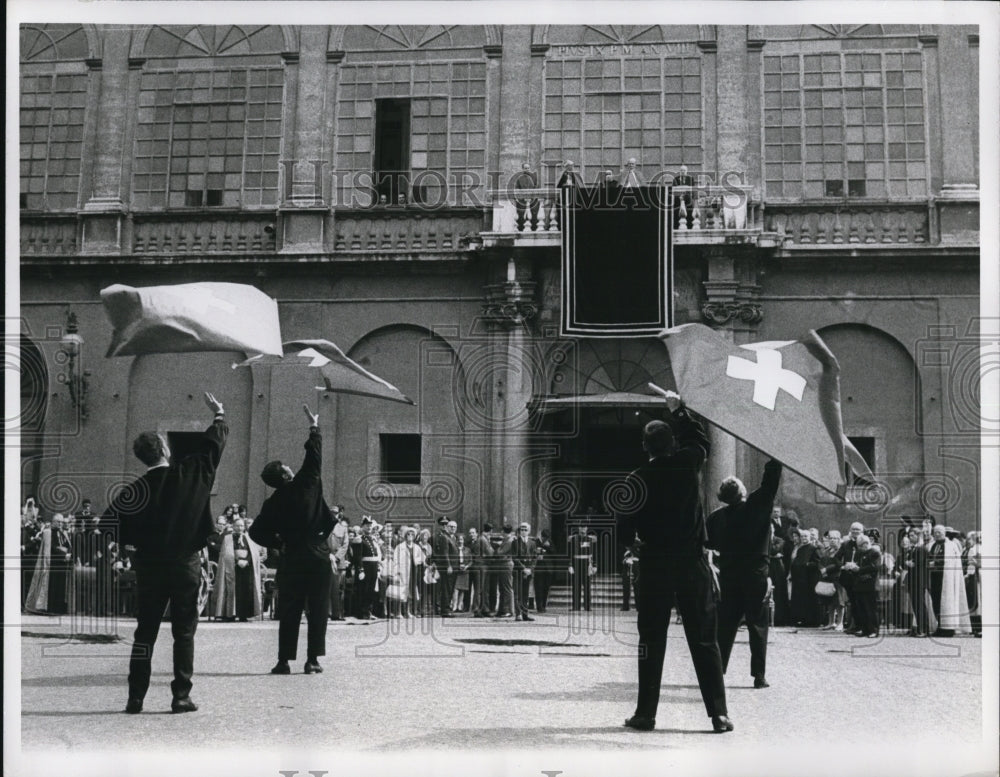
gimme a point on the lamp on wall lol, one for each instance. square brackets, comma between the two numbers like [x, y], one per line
[72, 343]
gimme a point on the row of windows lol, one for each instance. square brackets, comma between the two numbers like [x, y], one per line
[834, 124]
[844, 124]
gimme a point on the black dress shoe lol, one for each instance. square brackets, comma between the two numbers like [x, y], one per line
[721, 724]
[312, 667]
[526, 618]
[281, 668]
[505, 615]
[760, 682]
[641, 723]
[133, 706]
[183, 705]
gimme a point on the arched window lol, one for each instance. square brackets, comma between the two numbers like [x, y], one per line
[210, 118]
[53, 100]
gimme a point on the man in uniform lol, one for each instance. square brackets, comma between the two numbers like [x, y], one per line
[371, 560]
[446, 559]
[671, 525]
[503, 558]
[740, 533]
[580, 547]
[296, 519]
[164, 515]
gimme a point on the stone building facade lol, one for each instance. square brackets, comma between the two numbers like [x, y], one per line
[358, 176]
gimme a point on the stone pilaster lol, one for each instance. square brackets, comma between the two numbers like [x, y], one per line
[515, 101]
[733, 127]
[306, 171]
[103, 213]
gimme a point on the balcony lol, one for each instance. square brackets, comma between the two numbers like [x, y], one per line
[857, 223]
[704, 215]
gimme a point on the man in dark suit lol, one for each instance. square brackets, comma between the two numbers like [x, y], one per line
[740, 533]
[164, 515]
[482, 551]
[524, 553]
[296, 519]
[671, 525]
[446, 558]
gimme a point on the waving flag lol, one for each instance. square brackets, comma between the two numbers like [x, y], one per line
[191, 317]
[780, 397]
[339, 373]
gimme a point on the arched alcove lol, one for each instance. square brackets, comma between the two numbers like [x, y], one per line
[30, 422]
[392, 459]
[166, 394]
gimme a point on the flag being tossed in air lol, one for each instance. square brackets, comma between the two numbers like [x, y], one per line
[782, 398]
[340, 373]
[191, 317]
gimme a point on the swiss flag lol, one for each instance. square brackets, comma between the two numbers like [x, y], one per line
[191, 317]
[782, 398]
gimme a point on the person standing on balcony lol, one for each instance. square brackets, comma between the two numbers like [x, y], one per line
[570, 177]
[631, 175]
[684, 179]
[525, 180]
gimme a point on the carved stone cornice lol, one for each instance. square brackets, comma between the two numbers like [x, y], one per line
[511, 303]
[720, 313]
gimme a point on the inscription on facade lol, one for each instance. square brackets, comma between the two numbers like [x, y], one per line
[623, 50]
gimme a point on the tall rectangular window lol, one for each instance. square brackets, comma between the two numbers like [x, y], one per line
[208, 138]
[601, 112]
[52, 108]
[866, 447]
[392, 149]
[446, 142]
[845, 124]
[400, 455]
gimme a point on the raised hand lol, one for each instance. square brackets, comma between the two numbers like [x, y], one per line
[213, 404]
[313, 419]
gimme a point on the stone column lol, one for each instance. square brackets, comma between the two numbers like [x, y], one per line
[731, 107]
[515, 104]
[510, 305]
[103, 212]
[305, 174]
[958, 199]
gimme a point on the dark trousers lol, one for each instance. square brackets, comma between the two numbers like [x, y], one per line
[522, 585]
[688, 581]
[304, 583]
[543, 581]
[480, 593]
[366, 593]
[336, 588]
[866, 611]
[743, 597]
[446, 588]
[505, 585]
[159, 582]
[626, 587]
[580, 582]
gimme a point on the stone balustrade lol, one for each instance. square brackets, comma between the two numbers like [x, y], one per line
[702, 214]
[176, 233]
[50, 235]
[857, 223]
[405, 229]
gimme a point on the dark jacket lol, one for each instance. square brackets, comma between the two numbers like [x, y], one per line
[296, 516]
[870, 563]
[741, 533]
[670, 521]
[524, 553]
[165, 513]
[445, 551]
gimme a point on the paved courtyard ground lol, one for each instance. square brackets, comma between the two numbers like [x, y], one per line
[462, 689]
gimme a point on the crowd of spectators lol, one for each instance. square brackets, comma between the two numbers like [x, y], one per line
[923, 579]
